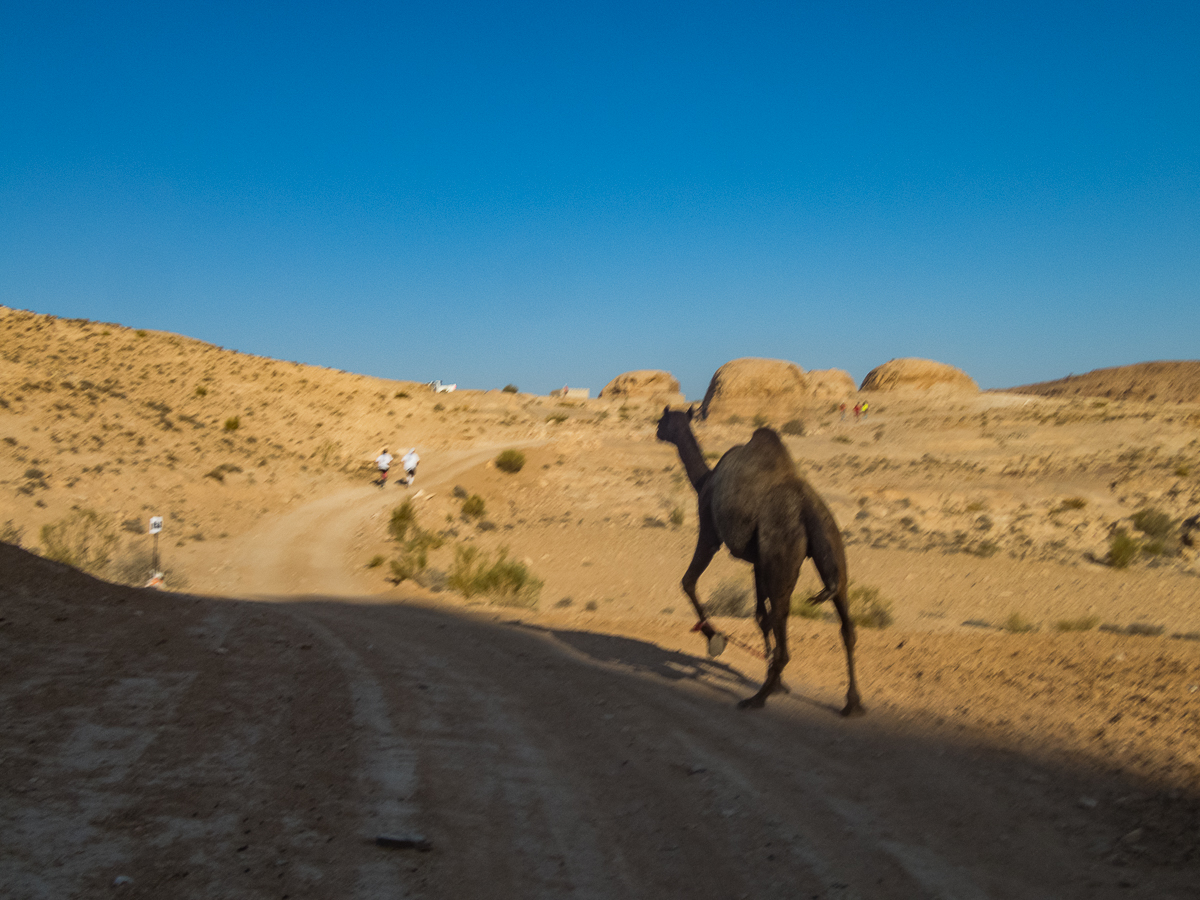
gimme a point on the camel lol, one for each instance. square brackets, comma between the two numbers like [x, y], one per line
[756, 503]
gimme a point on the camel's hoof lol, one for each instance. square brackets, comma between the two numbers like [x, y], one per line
[854, 710]
[755, 702]
[716, 644]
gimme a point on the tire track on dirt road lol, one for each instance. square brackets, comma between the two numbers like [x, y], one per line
[553, 764]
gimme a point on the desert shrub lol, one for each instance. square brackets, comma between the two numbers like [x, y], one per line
[653, 522]
[201, 390]
[556, 418]
[760, 421]
[376, 561]
[84, 539]
[731, 598]
[868, 609]
[415, 543]
[510, 389]
[141, 332]
[233, 423]
[802, 609]
[459, 492]
[219, 473]
[473, 507]
[328, 454]
[507, 582]
[844, 439]
[1084, 623]
[408, 564]
[794, 427]
[1154, 523]
[1018, 624]
[1070, 503]
[677, 516]
[403, 517]
[511, 461]
[1122, 549]
[11, 533]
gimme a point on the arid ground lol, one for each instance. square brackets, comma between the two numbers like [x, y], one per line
[250, 730]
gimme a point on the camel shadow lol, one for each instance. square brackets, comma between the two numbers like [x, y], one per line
[672, 665]
[647, 658]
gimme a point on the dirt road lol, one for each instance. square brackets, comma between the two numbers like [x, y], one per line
[158, 745]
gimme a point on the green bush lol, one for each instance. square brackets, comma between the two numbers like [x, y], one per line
[868, 609]
[507, 582]
[794, 427]
[1084, 623]
[1154, 523]
[1018, 624]
[802, 609]
[510, 389]
[1122, 549]
[473, 507]
[84, 539]
[233, 423]
[403, 516]
[510, 461]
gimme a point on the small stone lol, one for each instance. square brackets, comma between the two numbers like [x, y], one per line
[404, 842]
[122, 880]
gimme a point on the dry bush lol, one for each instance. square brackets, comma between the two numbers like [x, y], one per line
[84, 539]
[1018, 624]
[507, 582]
[731, 598]
[868, 609]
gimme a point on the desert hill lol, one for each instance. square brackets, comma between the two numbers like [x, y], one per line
[1164, 382]
[1041, 665]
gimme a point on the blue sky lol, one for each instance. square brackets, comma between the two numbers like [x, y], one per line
[550, 193]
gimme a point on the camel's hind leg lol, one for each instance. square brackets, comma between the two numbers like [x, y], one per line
[830, 559]
[780, 577]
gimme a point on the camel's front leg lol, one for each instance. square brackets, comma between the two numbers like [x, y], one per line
[707, 544]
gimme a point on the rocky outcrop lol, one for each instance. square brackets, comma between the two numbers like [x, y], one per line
[772, 388]
[830, 384]
[918, 375]
[644, 384]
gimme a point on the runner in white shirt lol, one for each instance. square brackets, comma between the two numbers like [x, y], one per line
[383, 460]
[410, 460]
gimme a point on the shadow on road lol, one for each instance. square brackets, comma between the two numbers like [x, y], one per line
[647, 658]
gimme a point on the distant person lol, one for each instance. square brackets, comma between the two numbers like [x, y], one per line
[857, 411]
[843, 409]
[410, 460]
[383, 461]
[866, 405]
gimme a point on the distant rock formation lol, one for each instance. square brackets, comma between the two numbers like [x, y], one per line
[830, 384]
[751, 386]
[918, 375]
[1164, 381]
[644, 384]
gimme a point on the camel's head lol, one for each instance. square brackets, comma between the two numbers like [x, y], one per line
[673, 423]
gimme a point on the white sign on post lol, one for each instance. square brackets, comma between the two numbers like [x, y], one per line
[155, 524]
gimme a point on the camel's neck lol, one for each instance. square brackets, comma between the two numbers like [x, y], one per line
[692, 458]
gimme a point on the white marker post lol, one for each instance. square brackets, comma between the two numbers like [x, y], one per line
[156, 525]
